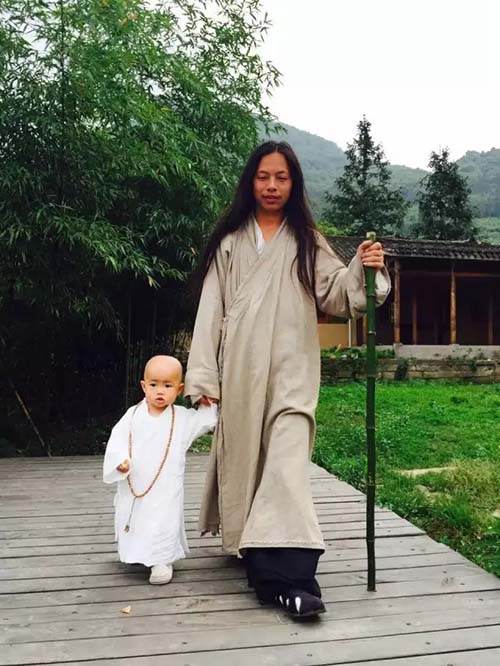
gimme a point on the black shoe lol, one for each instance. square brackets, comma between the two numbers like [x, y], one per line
[299, 603]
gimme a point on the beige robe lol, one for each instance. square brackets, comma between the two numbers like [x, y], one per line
[255, 347]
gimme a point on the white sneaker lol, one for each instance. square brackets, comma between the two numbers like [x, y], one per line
[161, 574]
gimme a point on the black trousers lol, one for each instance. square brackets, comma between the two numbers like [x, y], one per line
[273, 571]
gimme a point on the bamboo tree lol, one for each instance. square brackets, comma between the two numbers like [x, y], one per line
[123, 124]
[370, 421]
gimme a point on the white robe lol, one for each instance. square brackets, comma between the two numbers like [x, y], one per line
[157, 534]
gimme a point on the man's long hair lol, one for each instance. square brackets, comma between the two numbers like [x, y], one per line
[297, 211]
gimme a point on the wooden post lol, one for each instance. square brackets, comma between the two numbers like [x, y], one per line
[365, 324]
[414, 317]
[453, 306]
[397, 301]
[490, 316]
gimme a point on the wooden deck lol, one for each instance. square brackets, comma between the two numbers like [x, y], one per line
[62, 590]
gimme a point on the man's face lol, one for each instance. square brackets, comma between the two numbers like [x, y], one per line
[272, 184]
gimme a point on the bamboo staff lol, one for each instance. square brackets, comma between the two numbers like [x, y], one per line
[371, 374]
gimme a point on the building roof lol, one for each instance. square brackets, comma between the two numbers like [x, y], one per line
[345, 247]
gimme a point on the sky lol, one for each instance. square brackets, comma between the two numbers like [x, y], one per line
[426, 73]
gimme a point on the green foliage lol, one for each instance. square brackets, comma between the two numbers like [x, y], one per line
[363, 200]
[488, 229]
[482, 171]
[407, 180]
[354, 353]
[420, 425]
[328, 229]
[445, 211]
[202, 445]
[123, 127]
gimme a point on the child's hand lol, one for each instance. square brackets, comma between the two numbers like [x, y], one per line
[124, 467]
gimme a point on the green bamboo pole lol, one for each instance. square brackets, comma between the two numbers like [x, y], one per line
[371, 375]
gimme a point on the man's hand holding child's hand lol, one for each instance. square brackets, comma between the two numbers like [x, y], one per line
[205, 401]
[124, 467]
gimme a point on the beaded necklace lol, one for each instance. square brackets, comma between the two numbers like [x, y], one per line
[136, 494]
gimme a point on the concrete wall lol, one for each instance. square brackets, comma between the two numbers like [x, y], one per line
[333, 335]
[477, 371]
[429, 352]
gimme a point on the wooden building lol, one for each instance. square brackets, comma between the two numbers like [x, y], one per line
[443, 292]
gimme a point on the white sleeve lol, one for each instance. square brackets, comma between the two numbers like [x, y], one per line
[200, 422]
[341, 290]
[382, 286]
[116, 451]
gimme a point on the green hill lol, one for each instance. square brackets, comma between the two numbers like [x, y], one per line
[323, 161]
[483, 173]
[489, 229]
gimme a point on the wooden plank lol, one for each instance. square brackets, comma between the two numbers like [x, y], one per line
[45, 536]
[30, 524]
[336, 607]
[345, 550]
[26, 503]
[326, 577]
[103, 544]
[408, 620]
[320, 643]
[235, 588]
[62, 590]
[328, 653]
[49, 510]
[195, 564]
[488, 657]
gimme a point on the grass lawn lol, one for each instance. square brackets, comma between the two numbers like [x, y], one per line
[423, 425]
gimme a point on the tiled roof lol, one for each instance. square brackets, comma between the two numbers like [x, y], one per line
[345, 247]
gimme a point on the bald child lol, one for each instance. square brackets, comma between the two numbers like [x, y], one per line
[145, 457]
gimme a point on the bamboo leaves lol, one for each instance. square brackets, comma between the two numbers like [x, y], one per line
[123, 125]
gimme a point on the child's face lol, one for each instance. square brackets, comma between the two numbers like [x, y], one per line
[161, 387]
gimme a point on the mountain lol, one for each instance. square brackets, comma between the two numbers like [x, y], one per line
[482, 170]
[323, 161]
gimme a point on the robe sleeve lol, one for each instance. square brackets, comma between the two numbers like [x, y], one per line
[200, 422]
[202, 376]
[341, 290]
[117, 451]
